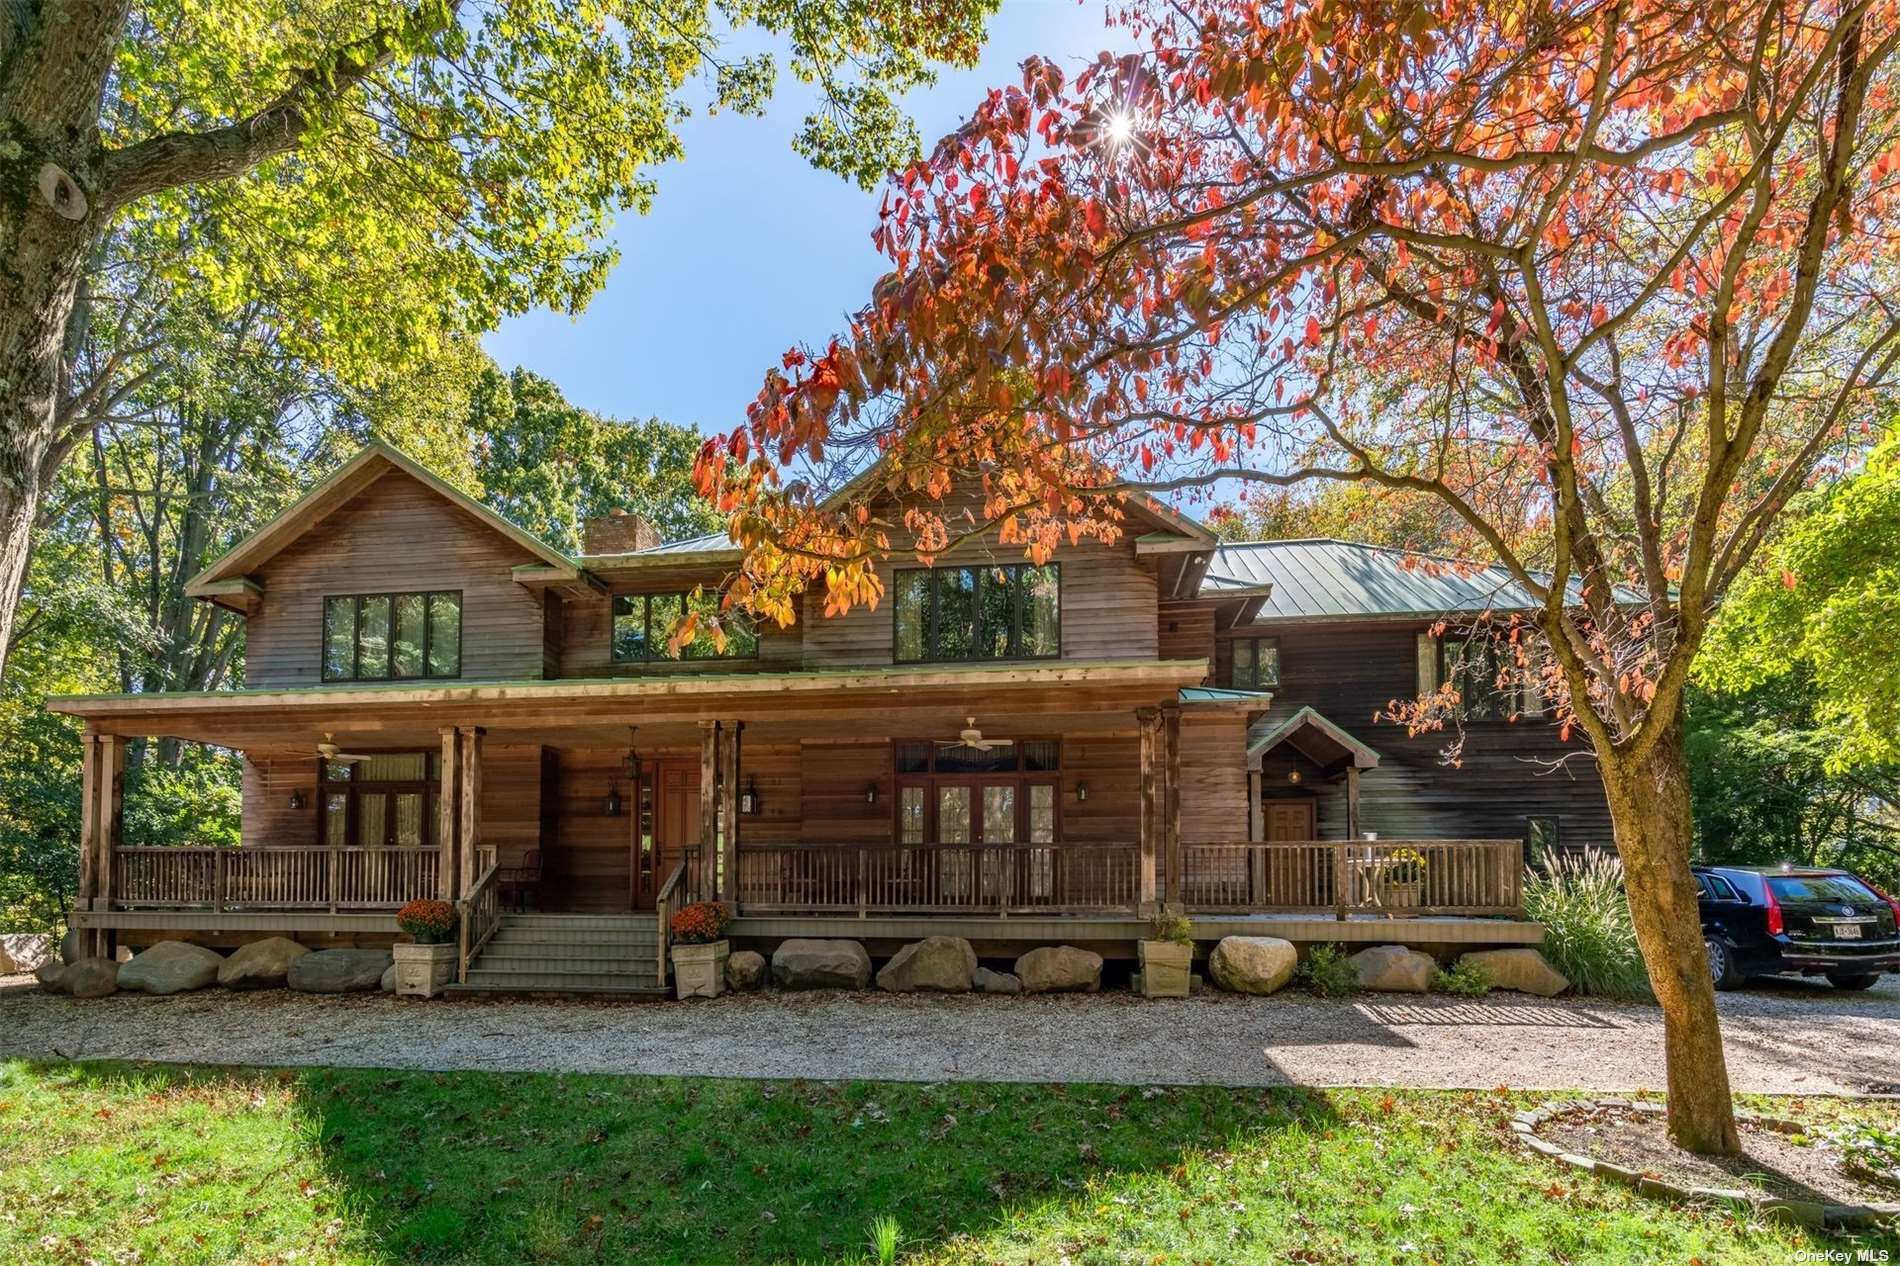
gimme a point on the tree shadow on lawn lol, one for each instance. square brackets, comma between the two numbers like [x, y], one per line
[481, 1167]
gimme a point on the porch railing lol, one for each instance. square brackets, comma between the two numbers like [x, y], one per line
[481, 915]
[672, 895]
[1397, 877]
[937, 878]
[298, 877]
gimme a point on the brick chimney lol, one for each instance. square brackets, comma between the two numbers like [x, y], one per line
[618, 532]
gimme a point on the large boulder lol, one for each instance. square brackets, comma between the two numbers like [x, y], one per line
[806, 963]
[939, 964]
[986, 981]
[1252, 964]
[745, 970]
[262, 964]
[388, 983]
[72, 947]
[339, 971]
[1393, 969]
[1060, 969]
[1522, 969]
[51, 976]
[24, 952]
[90, 978]
[171, 967]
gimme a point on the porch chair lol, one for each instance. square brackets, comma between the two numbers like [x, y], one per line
[520, 882]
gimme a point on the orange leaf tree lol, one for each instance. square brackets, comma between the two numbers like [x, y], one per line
[1610, 280]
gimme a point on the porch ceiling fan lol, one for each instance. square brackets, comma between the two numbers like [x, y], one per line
[971, 736]
[329, 750]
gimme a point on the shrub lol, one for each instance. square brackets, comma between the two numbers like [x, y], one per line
[1463, 978]
[430, 922]
[701, 923]
[1588, 935]
[1328, 973]
[1176, 928]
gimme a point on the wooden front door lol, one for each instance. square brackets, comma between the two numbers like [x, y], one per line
[1291, 820]
[672, 827]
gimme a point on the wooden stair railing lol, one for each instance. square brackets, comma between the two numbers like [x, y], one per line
[481, 915]
[663, 919]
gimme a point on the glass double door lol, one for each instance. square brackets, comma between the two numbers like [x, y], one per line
[977, 810]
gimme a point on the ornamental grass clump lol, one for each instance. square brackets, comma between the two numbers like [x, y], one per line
[429, 921]
[1588, 935]
[701, 923]
[1176, 929]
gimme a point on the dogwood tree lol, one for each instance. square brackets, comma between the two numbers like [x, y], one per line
[1629, 263]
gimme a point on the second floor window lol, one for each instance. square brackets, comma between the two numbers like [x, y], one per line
[1256, 663]
[1012, 611]
[1491, 682]
[392, 636]
[643, 622]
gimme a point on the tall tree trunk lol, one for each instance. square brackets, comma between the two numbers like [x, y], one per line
[1650, 811]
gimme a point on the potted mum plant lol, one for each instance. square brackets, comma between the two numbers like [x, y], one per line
[1167, 956]
[424, 967]
[699, 950]
[1402, 879]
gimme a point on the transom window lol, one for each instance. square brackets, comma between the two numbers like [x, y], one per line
[392, 636]
[644, 621]
[1006, 611]
[1256, 663]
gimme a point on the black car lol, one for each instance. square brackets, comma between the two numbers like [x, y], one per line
[1765, 920]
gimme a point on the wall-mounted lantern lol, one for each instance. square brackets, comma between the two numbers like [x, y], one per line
[296, 801]
[613, 805]
[1081, 790]
[870, 793]
[749, 798]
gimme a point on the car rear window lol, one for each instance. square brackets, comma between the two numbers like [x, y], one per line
[1820, 888]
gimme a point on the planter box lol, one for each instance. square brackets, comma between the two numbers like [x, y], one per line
[699, 971]
[423, 971]
[1165, 968]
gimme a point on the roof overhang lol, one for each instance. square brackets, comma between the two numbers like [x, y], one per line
[1316, 738]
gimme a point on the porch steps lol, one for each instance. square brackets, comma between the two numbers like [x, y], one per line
[581, 954]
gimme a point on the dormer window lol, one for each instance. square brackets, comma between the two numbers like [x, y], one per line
[392, 636]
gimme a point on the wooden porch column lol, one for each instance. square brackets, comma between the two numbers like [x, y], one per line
[88, 817]
[1352, 802]
[708, 810]
[448, 883]
[109, 816]
[1171, 807]
[729, 810]
[1148, 721]
[469, 804]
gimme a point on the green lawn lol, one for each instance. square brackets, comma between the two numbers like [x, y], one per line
[112, 1163]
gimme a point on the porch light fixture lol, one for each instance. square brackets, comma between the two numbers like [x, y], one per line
[749, 798]
[1081, 790]
[1295, 777]
[296, 801]
[870, 793]
[613, 806]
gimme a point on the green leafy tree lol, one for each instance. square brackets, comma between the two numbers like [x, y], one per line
[1825, 602]
[548, 464]
[381, 175]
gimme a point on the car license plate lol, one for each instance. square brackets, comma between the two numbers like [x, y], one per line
[1847, 931]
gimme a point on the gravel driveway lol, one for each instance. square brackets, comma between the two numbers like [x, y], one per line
[1787, 1038]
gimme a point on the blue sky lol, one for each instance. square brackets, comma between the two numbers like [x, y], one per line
[749, 250]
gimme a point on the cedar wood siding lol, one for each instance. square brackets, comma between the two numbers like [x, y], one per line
[1348, 671]
[396, 536]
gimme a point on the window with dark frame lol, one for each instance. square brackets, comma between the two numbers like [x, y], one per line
[392, 636]
[385, 800]
[1256, 663]
[1002, 611]
[1474, 662]
[948, 793]
[1541, 838]
[642, 623]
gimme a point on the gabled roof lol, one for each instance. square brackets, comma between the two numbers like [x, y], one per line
[224, 579]
[1314, 737]
[1331, 579]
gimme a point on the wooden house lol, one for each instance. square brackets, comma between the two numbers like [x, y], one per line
[437, 703]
